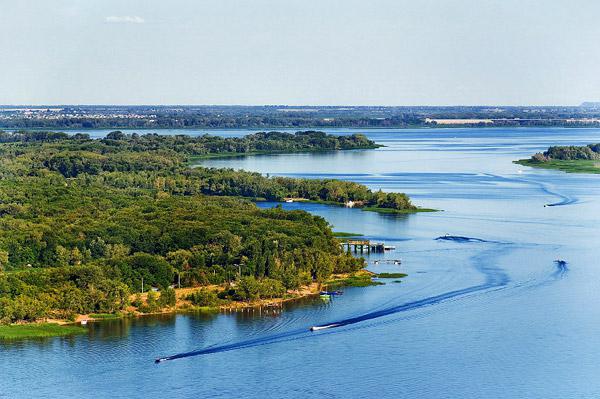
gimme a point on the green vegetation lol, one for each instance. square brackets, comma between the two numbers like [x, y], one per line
[84, 223]
[296, 117]
[402, 211]
[391, 275]
[42, 330]
[343, 234]
[570, 159]
[204, 297]
[105, 316]
[355, 280]
[571, 166]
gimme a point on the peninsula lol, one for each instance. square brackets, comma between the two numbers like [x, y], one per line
[111, 226]
[570, 159]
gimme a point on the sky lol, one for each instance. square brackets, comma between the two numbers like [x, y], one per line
[300, 52]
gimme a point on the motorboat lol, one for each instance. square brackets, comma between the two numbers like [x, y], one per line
[317, 328]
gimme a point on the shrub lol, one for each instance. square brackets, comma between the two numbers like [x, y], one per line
[204, 297]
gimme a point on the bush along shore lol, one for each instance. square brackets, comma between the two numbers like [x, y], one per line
[570, 159]
[95, 226]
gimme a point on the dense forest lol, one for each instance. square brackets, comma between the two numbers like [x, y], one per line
[84, 223]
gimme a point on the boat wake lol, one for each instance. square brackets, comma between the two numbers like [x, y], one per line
[494, 278]
[561, 269]
[461, 239]
[563, 199]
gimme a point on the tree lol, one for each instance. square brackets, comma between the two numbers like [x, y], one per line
[167, 297]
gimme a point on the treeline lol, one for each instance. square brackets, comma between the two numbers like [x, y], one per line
[84, 223]
[273, 117]
[229, 182]
[569, 153]
[68, 247]
[160, 163]
[117, 141]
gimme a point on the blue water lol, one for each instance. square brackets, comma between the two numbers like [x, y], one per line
[492, 316]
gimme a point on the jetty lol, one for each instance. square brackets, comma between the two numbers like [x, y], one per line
[365, 246]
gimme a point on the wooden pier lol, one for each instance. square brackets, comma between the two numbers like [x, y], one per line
[365, 246]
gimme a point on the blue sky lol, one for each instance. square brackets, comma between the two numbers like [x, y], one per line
[375, 52]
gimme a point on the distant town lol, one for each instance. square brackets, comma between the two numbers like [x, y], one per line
[279, 116]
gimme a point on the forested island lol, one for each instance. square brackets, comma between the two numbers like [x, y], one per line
[87, 225]
[571, 159]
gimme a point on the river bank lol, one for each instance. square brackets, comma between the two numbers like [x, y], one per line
[196, 158]
[568, 166]
[55, 327]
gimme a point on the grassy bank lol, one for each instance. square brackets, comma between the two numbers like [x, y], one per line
[397, 211]
[41, 330]
[196, 158]
[362, 278]
[343, 234]
[569, 166]
[391, 275]
[105, 316]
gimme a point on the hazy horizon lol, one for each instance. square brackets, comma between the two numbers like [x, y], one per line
[231, 52]
[290, 105]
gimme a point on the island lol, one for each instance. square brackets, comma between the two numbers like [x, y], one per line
[99, 228]
[570, 159]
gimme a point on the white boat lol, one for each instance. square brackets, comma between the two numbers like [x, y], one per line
[317, 328]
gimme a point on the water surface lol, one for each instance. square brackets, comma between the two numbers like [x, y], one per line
[495, 318]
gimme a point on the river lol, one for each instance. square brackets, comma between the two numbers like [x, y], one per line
[494, 317]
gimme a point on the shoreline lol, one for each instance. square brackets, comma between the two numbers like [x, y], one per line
[55, 327]
[225, 155]
[568, 166]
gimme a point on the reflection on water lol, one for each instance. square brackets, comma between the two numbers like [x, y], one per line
[494, 317]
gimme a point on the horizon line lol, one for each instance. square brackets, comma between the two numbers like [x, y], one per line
[290, 106]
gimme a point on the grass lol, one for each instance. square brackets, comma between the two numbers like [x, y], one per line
[359, 279]
[105, 316]
[43, 330]
[569, 166]
[343, 234]
[391, 275]
[397, 211]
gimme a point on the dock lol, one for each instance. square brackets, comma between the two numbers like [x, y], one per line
[365, 246]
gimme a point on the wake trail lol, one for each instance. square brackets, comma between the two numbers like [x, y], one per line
[495, 278]
[561, 269]
[463, 239]
[564, 199]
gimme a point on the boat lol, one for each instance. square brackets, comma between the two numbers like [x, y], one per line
[84, 322]
[560, 262]
[289, 201]
[317, 328]
[330, 293]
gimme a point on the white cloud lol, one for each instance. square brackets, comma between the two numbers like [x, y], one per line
[125, 19]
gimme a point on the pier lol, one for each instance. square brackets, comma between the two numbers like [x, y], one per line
[365, 246]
